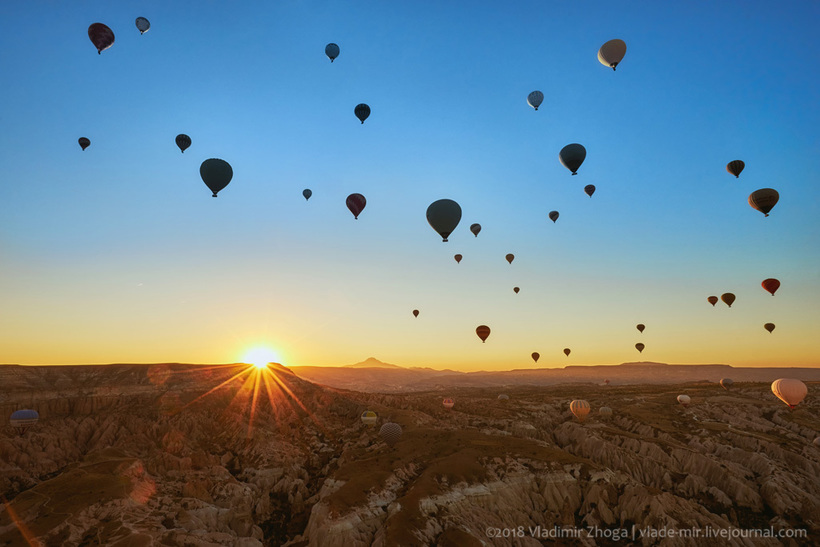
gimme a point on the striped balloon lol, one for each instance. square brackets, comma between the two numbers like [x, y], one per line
[21, 420]
[448, 403]
[580, 408]
[369, 418]
[764, 200]
[789, 390]
[735, 167]
[390, 433]
[605, 411]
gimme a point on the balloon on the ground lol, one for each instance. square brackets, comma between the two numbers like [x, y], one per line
[101, 36]
[726, 383]
[483, 331]
[764, 199]
[362, 111]
[510, 257]
[369, 418]
[143, 25]
[735, 167]
[307, 193]
[771, 285]
[216, 174]
[535, 99]
[684, 400]
[332, 51]
[580, 408]
[443, 216]
[572, 156]
[728, 298]
[639, 346]
[790, 391]
[84, 142]
[769, 327]
[390, 433]
[612, 53]
[535, 356]
[589, 189]
[458, 258]
[712, 300]
[553, 215]
[475, 228]
[183, 142]
[356, 204]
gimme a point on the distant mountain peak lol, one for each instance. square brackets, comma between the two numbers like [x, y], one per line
[372, 362]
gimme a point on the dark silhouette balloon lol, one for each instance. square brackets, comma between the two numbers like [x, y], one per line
[535, 99]
[735, 167]
[332, 51]
[589, 189]
[639, 347]
[443, 216]
[458, 258]
[713, 300]
[101, 36]
[216, 174]
[516, 289]
[362, 112]
[307, 193]
[771, 285]
[728, 298]
[567, 351]
[536, 356]
[356, 203]
[84, 142]
[183, 142]
[572, 156]
[553, 215]
[640, 327]
[475, 228]
[612, 53]
[769, 327]
[483, 331]
[510, 257]
[764, 200]
[143, 25]
[415, 313]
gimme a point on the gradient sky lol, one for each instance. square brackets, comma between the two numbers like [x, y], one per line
[119, 253]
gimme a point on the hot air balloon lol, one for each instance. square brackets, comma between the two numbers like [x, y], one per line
[640, 327]
[790, 391]
[183, 142]
[769, 327]
[516, 289]
[444, 215]
[606, 382]
[390, 433]
[101, 36]
[589, 189]
[771, 285]
[483, 331]
[21, 420]
[84, 142]
[639, 347]
[611, 53]
[448, 403]
[458, 258]
[728, 298]
[143, 25]
[535, 356]
[605, 411]
[572, 156]
[764, 199]
[712, 300]
[580, 408]
[510, 257]
[332, 51]
[369, 418]
[553, 215]
[415, 313]
[567, 351]
[684, 400]
[307, 193]
[535, 99]
[735, 167]
[475, 228]
[356, 203]
[503, 397]
[216, 174]
[362, 111]
[726, 383]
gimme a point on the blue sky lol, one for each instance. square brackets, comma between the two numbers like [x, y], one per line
[119, 253]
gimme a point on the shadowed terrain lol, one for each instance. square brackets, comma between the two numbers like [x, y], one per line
[145, 454]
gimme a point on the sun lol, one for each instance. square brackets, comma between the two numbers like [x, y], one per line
[260, 356]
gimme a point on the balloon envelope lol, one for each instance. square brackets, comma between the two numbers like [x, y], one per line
[789, 390]
[580, 408]
[475, 228]
[503, 397]
[356, 203]
[516, 289]
[448, 403]
[458, 258]
[362, 111]
[553, 215]
[390, 433]
[216, 174]
[726, 383]
[712, 300]
[769, 327]
[612, 53]
[764, 199]
[535, 356]
[369, 418]
[101, 36]
[510, 257]
[84, 142]
[728, 298]
[572, 156]
[589, 189]
[605, 411]
[567, 351]
[415, 313]
[444, 215]
[640, 327]
[143, 25]
[535, 99]
[735, 167]
[307, 193]
[771, 285]
[639, 346]
[684, 400]
[483, 331]
[332, 51]
[183, 142]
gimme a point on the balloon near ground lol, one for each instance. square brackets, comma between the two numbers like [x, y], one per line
[712, 300]
[735, 167]
[356, 204]
[605, 411]
[572, 156]
[535, 99]
[369, 418]
[448, 403]
[589, 189]
[143, 25]
[84, 142]
[769, 327]
[22, 420]
[475, 228]
[390, 433]
[580, 408]
[553, 215]
[332, 51]
[684, 400]
[483, 331]
[728, 298]
[771, 285]
[183, 142]
[443, 216]
[790, 391]
[216, 174]
[612, 53]
[101, 36]
[362, 111]
[764, 200]
[503, 397]
[726, 383]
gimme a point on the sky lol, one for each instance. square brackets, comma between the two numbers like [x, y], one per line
[119, 253]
